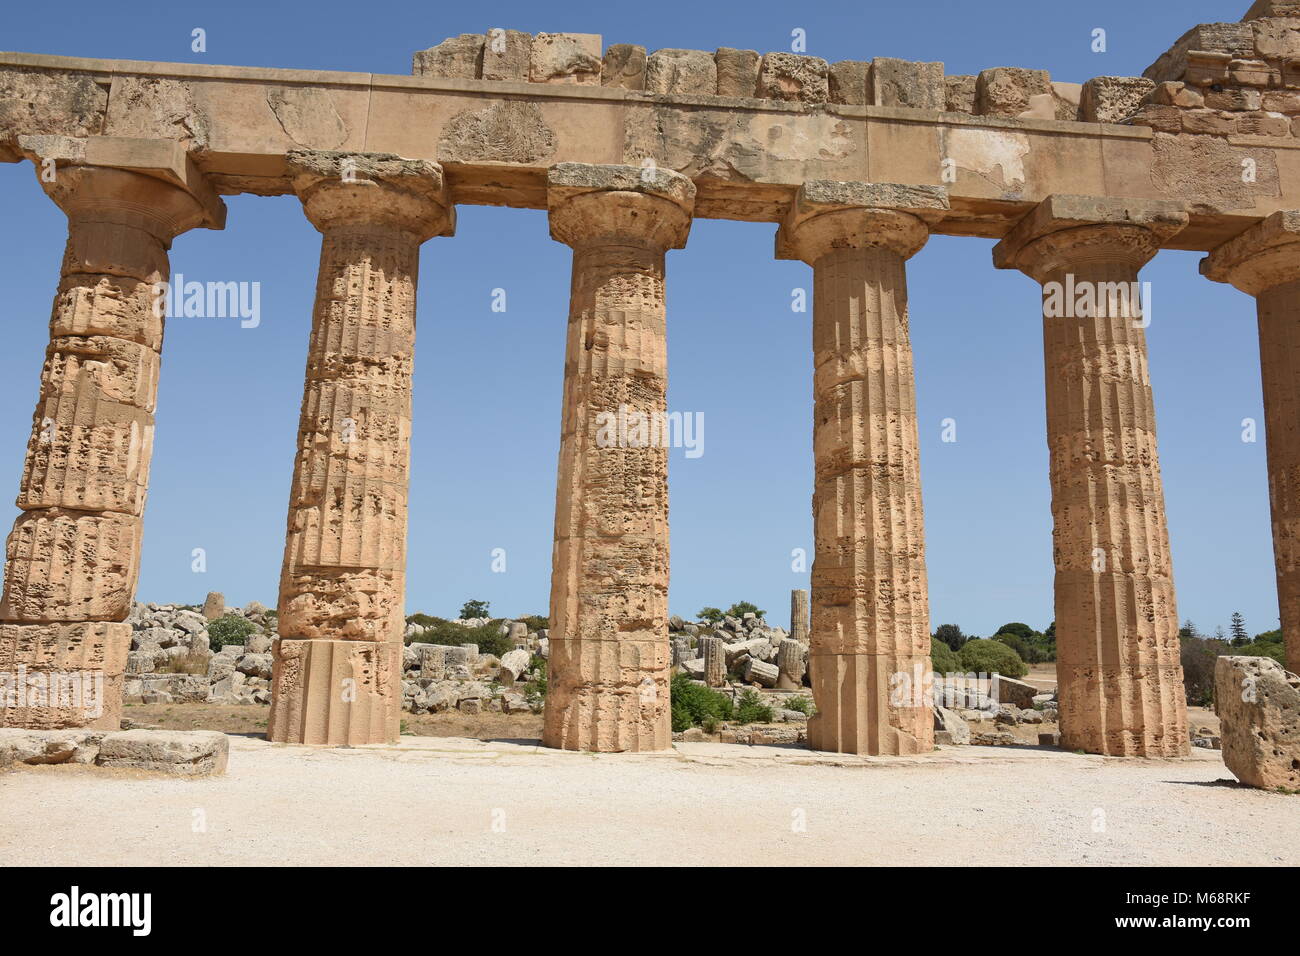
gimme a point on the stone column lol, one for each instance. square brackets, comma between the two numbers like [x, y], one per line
[609, 663]
[1264, 261]
[799, 615]
[1121, 684]
[338, 662]
[73, 556]
[715, 661]
[869, 657]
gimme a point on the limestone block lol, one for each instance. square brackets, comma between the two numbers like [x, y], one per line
[694, 667]
[737, 72]
[683, 72]
[1006, 90]
[566, 58]
[1258, 703]
[332, 693]
[62, 675]
[1007, 690]
[70, 566]
[191, 753]
[847, 82]
[36, 747]
[1113, 99]
[506, 55]
[682, 651]
[624, 67]
[1277, 38]
[514, 665]
[214, 606]
[761, 672]
[959, 94]
[951, 722]
[894, 82]
[156, 107]
[715, 662]
[792, 77]
[459, 57]
[64, 102]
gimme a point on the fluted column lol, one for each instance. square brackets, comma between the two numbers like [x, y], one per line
[1264, 261]
[338, 662]
[610, 657]
[73, 557]
[869, 656]
[1120, 680]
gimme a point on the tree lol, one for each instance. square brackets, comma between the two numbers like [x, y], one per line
[741, 608]
[942, 658]
[1239, 630]
[1023, 631]
[1187, 630]
[710, 614]
[474, 609]
[951, 635]
[991, 657]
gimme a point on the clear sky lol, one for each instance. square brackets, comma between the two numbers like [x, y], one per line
[488, 384]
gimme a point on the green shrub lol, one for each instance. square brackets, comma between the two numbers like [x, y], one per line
[474, 609]
[229, 629]
[741, 608]
[711, 614]
[488, 636]
[535, 622]
[943, 658]
[693, 704]
[991, 657]
[1260, 648]
[535, 689]
[799, 703]
[752, 710]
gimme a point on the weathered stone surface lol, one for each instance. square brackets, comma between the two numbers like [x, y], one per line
[508, 131]
[905, 83]
[1258, 703]
[214, 606]
[507, 55]
[1008, 690]
[799, 615]
[156, 107]
[684, 72]
[790, 76]
[1113, 99]
[792, 661]
[566, 58]
[49, 746]
[190, 753]
[333, 693]
[847, 82]
[959, 94]
[60, 102]
[761, 672]
[951, 723]
[624, 67]
[514, 665]
[1007, 91]
[737, 71]
[458, 57]
[715, 661]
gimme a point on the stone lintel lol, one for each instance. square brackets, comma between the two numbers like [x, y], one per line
[887, 214]
[575, 214]
[1162, 218]
[341, 188]
[1265, 255]
[166, 160]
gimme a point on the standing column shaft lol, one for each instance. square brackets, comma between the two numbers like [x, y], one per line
[1264, 261]
[73, 557]
[869, 657]
[337, 665]
[1119, 676]
[610, 658]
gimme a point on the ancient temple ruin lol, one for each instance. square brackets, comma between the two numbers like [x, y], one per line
[857, 163]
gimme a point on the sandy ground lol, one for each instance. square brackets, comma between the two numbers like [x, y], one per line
[460, 801]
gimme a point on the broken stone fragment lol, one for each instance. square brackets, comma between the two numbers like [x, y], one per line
[959, 94]
[893, 82]
[1006, 90]
[683, 72]
[624, 67]
[565, 58]
[737, 72]
[792, 77]
[1258, 703]
[459, 57]
[506, 55]
[1113, 99]
[847, 82]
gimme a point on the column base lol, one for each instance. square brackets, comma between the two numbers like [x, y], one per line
[864, 709]
[609, 696]
[335, 693]
[55, 676]
[1124, 712]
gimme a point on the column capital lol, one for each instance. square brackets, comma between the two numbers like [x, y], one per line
[341, 189]
[152, 185]
[1263, 257]
[618, 204]
[828, 215]
[1064, 231]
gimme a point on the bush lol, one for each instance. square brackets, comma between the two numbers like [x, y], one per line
[1198, 655]
[741, 608]
[991, 657]
[752, 710]
[229, 629]
[711, 614]
[474, 609]
[693, 704]
[803, 705]
[535, 689]
[535, 622]
[1259, 648]
[487, 636]
[942, 658]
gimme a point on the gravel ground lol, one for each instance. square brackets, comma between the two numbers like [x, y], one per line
[461, 801]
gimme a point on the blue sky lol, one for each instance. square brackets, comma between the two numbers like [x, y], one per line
[488, 384]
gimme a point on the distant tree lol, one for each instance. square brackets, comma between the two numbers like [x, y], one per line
[951, 635]
[1015, 627]
[1197, 657]
[1188, 629]
[474, 609]
[1218, 633]
[710, 614]
[741, 608]
[1050, 633]
[991, 657]
[1239, 636]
